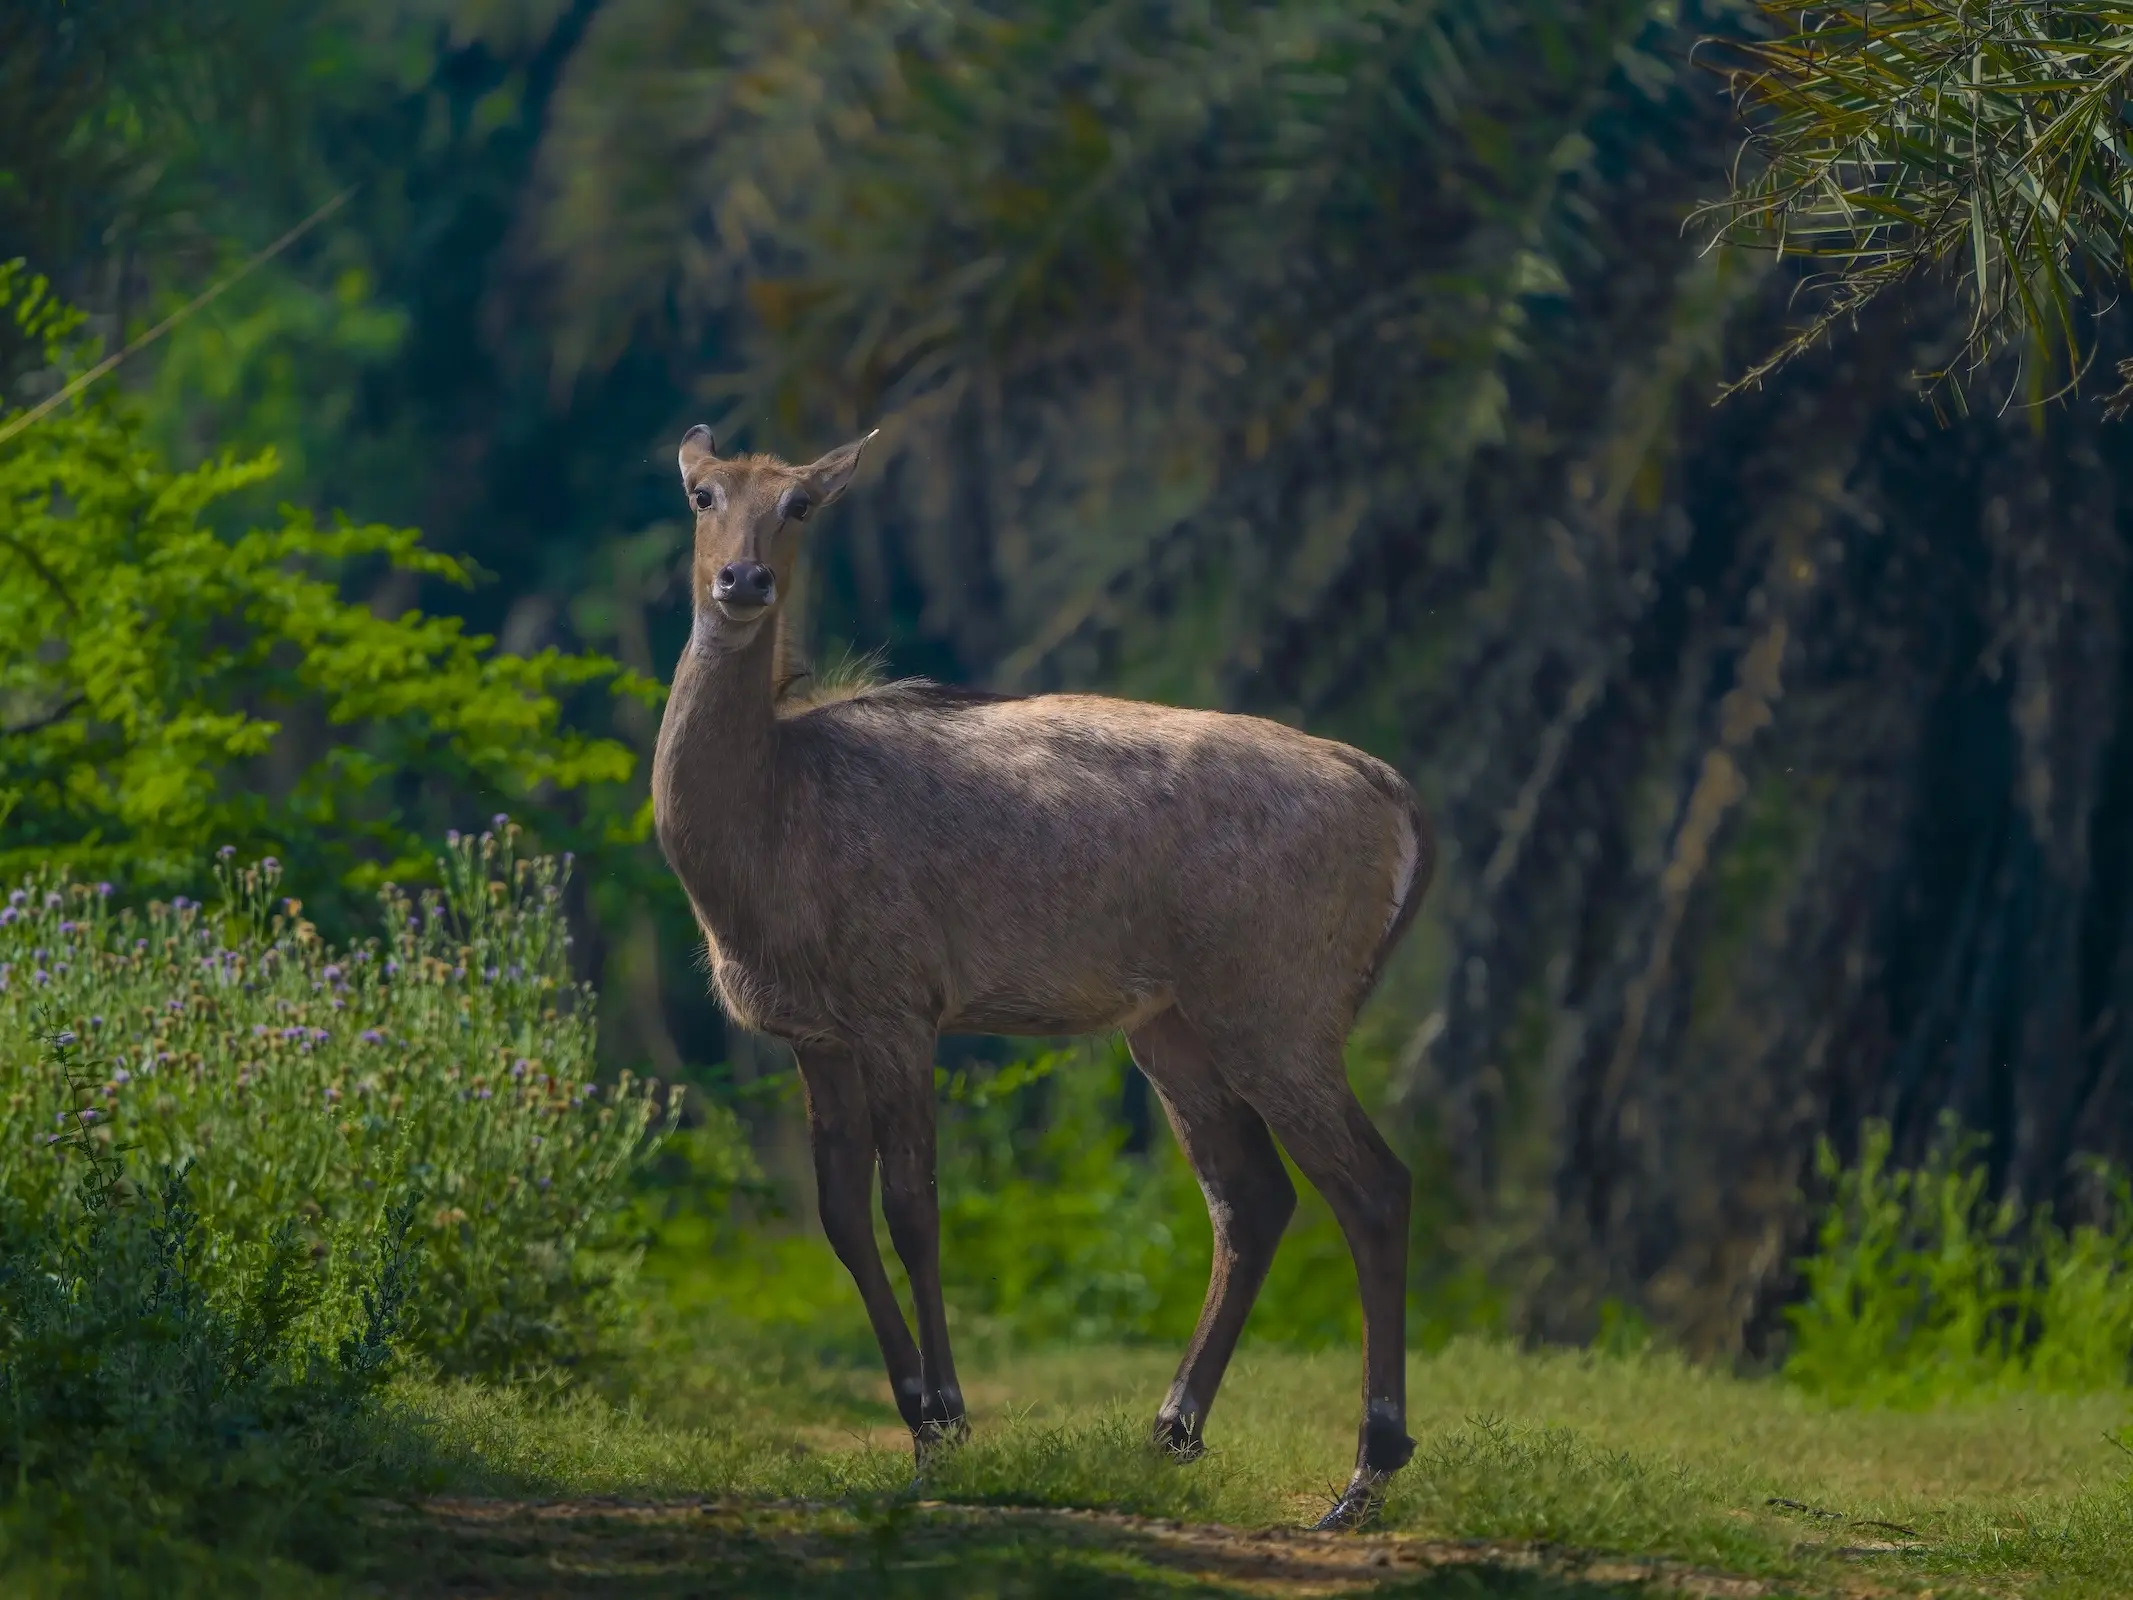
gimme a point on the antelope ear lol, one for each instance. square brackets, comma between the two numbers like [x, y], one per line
[832, 475]
[697, 447]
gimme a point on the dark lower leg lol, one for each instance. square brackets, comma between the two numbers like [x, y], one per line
[913, 1211]
[910, 1201]
[1370, 1192]
[1246, 1232]
[1249, 1203]
[842, 1138]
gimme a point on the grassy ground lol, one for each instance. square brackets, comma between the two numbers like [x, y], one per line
[1554, 1475]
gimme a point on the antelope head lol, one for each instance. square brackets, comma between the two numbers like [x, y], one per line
[749, 511]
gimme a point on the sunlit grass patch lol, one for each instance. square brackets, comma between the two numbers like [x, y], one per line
[1637, 1457]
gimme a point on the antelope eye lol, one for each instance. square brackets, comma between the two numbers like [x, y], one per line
[795, 505]
[706, 497]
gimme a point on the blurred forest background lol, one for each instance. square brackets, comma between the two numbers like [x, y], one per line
[1350, 362]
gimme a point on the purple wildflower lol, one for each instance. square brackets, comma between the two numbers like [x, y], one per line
[371, 1036]
[270, 865]
[451, 837]
[332, 974]
[64, 1037]
[333, 1095]
[225, 852]
[103, 891]
[483, 1094]
[500, 821]
[8, 915]
[40, 977]
[68, 929]
[52, 902]
[17, 898]
[121, 1075]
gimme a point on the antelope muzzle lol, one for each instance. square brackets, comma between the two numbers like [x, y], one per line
[744, 590]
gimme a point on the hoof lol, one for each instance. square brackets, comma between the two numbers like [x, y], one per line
[1358, 1505]
[1178, 1440]
[929, 1439]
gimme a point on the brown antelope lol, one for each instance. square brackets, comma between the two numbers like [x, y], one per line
[873, 871]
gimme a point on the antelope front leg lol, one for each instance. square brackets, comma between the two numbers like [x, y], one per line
[840, 1129]
[899, 1082]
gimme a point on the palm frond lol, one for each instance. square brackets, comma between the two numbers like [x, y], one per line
[1986, 137]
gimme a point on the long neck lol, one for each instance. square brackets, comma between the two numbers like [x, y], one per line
[711, 771]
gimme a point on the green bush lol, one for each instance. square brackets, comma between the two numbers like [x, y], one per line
[153, 1427]
[165, 689]
[311, 1087]
[1921, 1288]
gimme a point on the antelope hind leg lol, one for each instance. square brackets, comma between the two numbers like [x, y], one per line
[1314, 1113]
[1249, 1202]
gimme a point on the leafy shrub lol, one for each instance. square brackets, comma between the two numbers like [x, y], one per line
[170, 1420]
[309, 1087]
[1920, 1287]
[150, 667]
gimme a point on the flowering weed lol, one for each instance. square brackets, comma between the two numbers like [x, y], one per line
[447, 1066]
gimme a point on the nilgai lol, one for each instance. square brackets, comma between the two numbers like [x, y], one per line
[872, 871]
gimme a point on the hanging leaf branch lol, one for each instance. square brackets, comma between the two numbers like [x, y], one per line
[1985, 137]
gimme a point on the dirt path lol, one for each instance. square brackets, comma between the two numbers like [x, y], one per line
[522, 1549]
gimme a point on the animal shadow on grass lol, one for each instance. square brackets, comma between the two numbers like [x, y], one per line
[639, 1551]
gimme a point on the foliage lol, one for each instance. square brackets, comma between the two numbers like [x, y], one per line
[311, 1087]
[164, 690]
[147, 1399]
[1922, 1287]
[1103, 275]
[1987, 135]
[94, 100]
[1778, 748]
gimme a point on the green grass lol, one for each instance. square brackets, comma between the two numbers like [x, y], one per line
[1636, 1457]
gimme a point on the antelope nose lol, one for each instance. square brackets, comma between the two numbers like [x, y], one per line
[745, 583]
